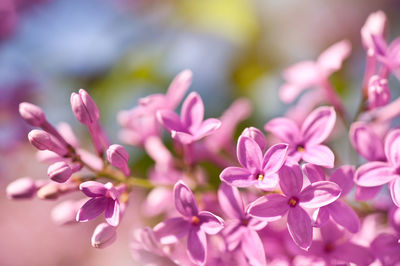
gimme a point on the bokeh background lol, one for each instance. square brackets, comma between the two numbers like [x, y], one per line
[121, 50]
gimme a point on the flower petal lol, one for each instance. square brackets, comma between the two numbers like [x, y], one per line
[112, 212]
[319, 155]
[182, 137]
[249, 153]
[314, 172]
[366, 193]
[170, 120]
[331, 59]
[299, 226]
[274, 158]
[321, 216]
[345, 216]
[93, 189]
[197, 246]
[291, 179]
[344, 177]
[284, 129]
[318, 125]
[184, 200]
[91, 209]
[230, 201]
[237, 176]
[179, 87]
[319, 194]
[210, 223]
[270, 207]
[395, 191]
[208, 127]
[366, 142]
[392, 147]
[192, 112]
[353, 253]
[171, 230]
[253, 248]
[374, 174]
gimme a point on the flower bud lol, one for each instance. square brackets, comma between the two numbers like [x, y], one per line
[257, 135]
[65, 212]
[104, 235]
[118, 157]
[59, 172]
[43, 141]
[84, 108]
[22, 188]
[48, 192]
[378, 92]
[32, 114]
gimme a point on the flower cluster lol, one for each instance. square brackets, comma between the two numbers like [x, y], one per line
[285, 198]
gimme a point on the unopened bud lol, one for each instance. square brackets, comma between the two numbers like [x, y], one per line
[48, 192]
[378, 92]
[65, 212]
[59, 172]
[32, 114]
[256, 135]
[118, 157]
[44, 141]
[84, 107]
[22, 188]
[104, 235]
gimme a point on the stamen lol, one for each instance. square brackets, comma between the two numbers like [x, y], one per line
[300, 148]
[195, 220]
[260, 177]
[292, 202]
[329, 247]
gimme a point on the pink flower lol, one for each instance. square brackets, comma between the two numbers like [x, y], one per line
[256, 168]
[374, 26]
[378, 92]
[388, 55]
[273, 207]
[305, 142]
[194, 224]
[377, 173]
[189, 127]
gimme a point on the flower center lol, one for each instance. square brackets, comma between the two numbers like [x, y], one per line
[195, 220]
[260, 177]
[245, 222]
[293, 201]
[300, 148]
[329, 247]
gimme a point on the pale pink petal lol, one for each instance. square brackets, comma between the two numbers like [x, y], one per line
[208, 127]
[237, 176]
[318, 125]
[350, 252]
[232, 233]
[392, 147]
[184, 200]
[257, 135]
[368, 144]
[192, 112]
[319, 194]
[112, 212]
[299, 226]
[268, 183]
[179, 87]
[274, 158]
[374, 174]
[344, 215]
[320, 155]
[253, 248]
[182, 137]
[171, 230]
[288, 92]
[210, 223]
[93, 189]
[291, 179]
[284, 129]
[313, 172]
[270, 207]
[321, 216]
[249, 153]
[366, 193]
[197, 246]
[91, 209]
[331, 59]
[344, 176]
[230, 201]
[331, 233]
[170, 120]
[256, 224]
[395, 191]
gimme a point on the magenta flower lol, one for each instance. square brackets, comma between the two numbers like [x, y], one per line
[386, 248]
[241, 228]
[305, 142]
[339, 211]
[273, 207]
[189, 127]
[377, 173]
[256, 168]
[388, 55]
[194, 224]
[104, 198]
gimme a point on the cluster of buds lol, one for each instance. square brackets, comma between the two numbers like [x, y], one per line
[295, 205]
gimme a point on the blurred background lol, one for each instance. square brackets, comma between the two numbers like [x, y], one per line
[121, 50]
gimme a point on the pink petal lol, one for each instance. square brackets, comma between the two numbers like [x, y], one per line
[331, 233]
[256, 224]
[184, 200]
[270, 207]
[344, 215]
[319, 155]
[274, 158]
[182, 137]
[192, 112]
[170, 120]
[288, 92]
[91, 209]
[232, 233]
[208, 127]
[210, 223]
[318, 125]
[179, 87]
[366, 142]
[257, 135]
[374, 174]
[319, 194]
[253, 248]
[93, 189]
[171, 230]
[366, 193]
[392, 147]
[331, 59]
[344, 176]
[197, 246]
[299, 226]
[230, 201]
[112, 212]
[237, 176]
[249, 153]
[313, 172]
[350, 252]
[284, 129]
[268, 183]
[321, 216]
[395, 191]
[291, 179]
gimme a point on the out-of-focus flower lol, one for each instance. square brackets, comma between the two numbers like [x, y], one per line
[22, 188]
[378, 92]
[103, 236]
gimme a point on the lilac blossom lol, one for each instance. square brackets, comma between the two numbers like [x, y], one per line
[273, 207]
[256, 168]
[305, 142]
[194, 224]
[378, 92]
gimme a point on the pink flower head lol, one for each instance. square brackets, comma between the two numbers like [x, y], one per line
[307, 74]
[339, 211]
[256, 168]
[273, 207]
[194, 224]
[241, 228]
[377, 173]
[305, 142]
[104, 198]
[378, 92]
[189, 127]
